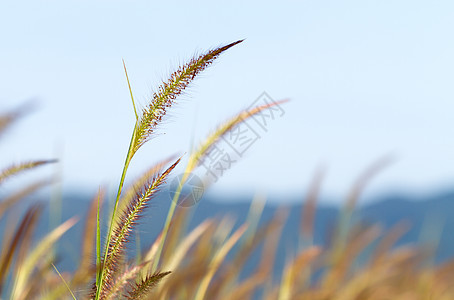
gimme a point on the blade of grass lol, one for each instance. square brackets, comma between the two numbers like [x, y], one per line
[31, 261]
[27, 224]
[129, 155]
[64, 281]
[309, 208]
[217, 260]
[98, 244]
[294, 269]
[130, 91]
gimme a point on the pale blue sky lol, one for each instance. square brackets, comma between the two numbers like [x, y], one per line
[365, 78]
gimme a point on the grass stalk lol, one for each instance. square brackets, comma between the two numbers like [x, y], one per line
[217, 260]
[98, 243]
[151, 116]
[101, 273]
[64, 281]
[114, 211]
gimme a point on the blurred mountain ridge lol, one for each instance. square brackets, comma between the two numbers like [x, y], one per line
[430, 220]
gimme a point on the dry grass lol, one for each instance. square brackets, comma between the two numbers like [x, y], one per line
[206, 262]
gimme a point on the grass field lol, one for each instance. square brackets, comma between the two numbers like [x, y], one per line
[204, 263]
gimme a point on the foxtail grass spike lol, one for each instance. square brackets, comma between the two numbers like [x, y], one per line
[198, 155]
[142, 180]
[124, 226]
[152, 115]
[166, 94]
[141, 289]
[7, 119]
[15, 169]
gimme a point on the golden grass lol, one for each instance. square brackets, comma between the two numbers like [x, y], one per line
[18, 168]
[195, 264]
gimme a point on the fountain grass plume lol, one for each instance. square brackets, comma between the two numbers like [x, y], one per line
[211, 140]
[169, 90]
[122, 229]
[142, 288]
[146, 124]
[18, 168]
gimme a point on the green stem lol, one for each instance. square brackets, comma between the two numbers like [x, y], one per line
[120, 187]
[98, 243]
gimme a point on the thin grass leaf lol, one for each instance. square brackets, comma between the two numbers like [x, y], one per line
[98, 244]
[217, 260]
[369, 173]
[389, 240]
[309, 208]
[90, 239]
[250, 243]
[130, 91]
[42, 275]
[86, 269]
[342, 259]
[295, 269]
[26, 268]
[181, 251]
[64, 281]
[27, 239]
[27, 225]
[270, 245]
[183, 248]
[343, 227]
[129, 155]
[252, 219]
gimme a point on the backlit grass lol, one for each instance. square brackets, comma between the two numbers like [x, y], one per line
[206, 262]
